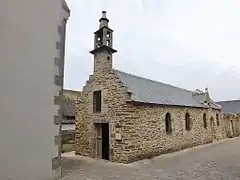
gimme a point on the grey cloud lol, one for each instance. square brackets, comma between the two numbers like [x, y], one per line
[186, 43]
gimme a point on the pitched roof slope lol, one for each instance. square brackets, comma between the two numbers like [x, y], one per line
[232, 107]
[69, 102]
[149, 91]
[69, 107]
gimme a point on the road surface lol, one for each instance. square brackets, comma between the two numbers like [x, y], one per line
[220, 160]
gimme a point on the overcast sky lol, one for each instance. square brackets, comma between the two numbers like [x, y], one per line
[186, 43]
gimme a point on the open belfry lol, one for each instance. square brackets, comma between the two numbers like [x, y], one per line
[123, 117]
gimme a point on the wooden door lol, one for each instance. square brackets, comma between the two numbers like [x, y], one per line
[99, 140]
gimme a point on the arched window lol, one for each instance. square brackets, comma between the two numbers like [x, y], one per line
[204, 121]
[168, 123]
[187, 122]
[217, 117]
[231, 127]
[212, 121]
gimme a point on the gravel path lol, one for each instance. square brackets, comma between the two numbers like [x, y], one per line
[219, 160]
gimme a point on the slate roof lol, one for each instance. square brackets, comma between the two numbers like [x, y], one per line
[149, 91]
[231, 107]
[69, 108]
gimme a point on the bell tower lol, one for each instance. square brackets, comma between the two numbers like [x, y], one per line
[103, 41]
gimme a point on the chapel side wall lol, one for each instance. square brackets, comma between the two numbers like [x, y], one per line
[223, 126]
[237, 125]
[226, 126]
[144, 133]
[220, 130]
[113, 99]
[232, 130]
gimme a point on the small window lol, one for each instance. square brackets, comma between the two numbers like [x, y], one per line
[97, 101]
[187, 122]
[108, 42]
[108, 58]
[168, 123]
[204, 121]
[99, 41]
[217, 117]
[108, 34]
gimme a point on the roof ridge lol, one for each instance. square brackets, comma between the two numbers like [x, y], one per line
[234, 100]
[140, 77]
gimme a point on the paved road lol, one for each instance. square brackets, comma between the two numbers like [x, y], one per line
[216, 161]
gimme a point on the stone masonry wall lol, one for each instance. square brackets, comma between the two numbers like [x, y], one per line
[113, 97]
[142, 127]
[232, 125]
[144, 134]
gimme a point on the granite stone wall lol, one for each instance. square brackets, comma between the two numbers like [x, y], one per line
[232, 125]
[114, 96]
[144, 132]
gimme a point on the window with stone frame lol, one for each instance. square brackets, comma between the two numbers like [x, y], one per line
[168, 123]
[205, 120]
[187, 122]
[217, 117]
[97, 101]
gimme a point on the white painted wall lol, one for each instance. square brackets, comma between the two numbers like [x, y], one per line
[28, 35]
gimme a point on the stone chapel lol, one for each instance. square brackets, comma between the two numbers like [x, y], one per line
[122, 117]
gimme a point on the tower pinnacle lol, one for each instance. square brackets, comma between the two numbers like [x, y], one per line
[104, 20]
[207, 97]
[103, 45]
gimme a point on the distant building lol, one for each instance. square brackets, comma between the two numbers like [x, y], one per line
[32, 45]
[123, 117]
[231, 110]
[68, 121]
[69, 109]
